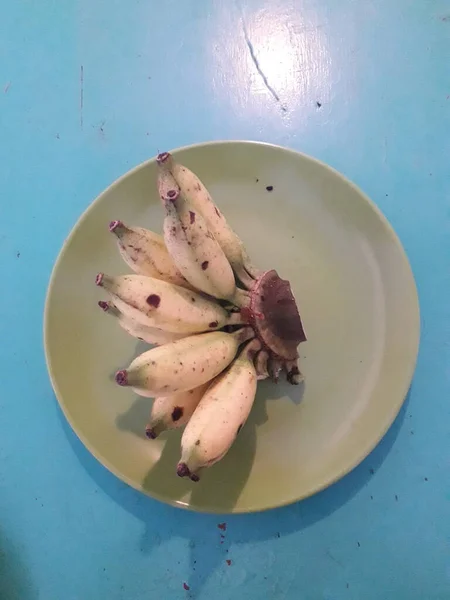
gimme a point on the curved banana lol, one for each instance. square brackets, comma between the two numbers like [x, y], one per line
[182, 365]
[156, 303]
[173, 412]
[145, 253]
[198, 196]
[221, 413]
[151, 335]
[191, 245]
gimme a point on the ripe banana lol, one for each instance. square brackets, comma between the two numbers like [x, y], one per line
[156, 303]
[145, 253]
[221, 413]
[191, 245]
[200, 199]
[173, 412]
[182, 365]
[151, 335]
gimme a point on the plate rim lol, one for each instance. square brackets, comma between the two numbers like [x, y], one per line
[366, 449]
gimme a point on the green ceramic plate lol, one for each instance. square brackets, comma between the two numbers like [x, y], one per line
[358, 302]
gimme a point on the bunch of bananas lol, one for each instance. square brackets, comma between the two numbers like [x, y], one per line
[216, 323]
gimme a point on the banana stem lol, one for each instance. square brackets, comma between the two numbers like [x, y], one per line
[245, 278]
[250, 350]
[236, 318]
[242, 298]
[151, 433]
[164, 158]
[243, 335]
[275, 367]
[108, 307]
[250, 268]
[293, 374]
[261, 364]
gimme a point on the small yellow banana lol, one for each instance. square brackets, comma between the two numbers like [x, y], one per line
[200, 199]
[182, 365]
[145, 253]
[221, 413]
[151, 335]
[173, 412]
[192, 246]
[159, 304]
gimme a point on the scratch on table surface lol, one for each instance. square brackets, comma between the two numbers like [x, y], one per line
[6, 88]
[333, 558]
[258, 67]
[81, 95]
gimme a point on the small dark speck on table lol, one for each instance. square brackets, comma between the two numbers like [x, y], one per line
[186, 587]
[269, 188]
[359, 545]
[425, 478]
[396, 498]
[371, 471]
[257, 180]
[18, 254]
[319, 104]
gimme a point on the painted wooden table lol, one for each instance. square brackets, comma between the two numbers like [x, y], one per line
[90, 89]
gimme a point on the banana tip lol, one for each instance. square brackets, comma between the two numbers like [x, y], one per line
[162, 157]
[183, 470]
[151, 433]
[121, 377]
[114, 225]
[172, 195]
[99, 279]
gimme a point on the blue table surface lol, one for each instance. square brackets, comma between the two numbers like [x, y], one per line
[90, 88]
